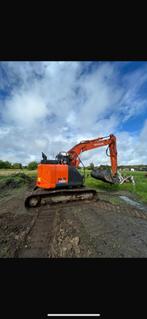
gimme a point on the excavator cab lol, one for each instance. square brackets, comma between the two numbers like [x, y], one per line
[63, 158]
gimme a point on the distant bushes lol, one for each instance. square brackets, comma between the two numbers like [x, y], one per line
[5, 164]
[16, 165]
[32, 165]
[8, 165]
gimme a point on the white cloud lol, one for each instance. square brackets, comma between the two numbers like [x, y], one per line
[54, 105]
[25, 109]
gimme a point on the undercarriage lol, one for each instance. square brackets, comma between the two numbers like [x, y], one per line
[41, 196]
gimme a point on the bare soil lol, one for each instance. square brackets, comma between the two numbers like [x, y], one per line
[106, 227]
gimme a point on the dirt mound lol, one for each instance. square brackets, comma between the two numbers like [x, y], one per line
[16, 180]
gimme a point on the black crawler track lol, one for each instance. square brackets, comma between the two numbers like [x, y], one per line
[58, 196]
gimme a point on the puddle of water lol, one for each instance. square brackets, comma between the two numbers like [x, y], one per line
[132, 202]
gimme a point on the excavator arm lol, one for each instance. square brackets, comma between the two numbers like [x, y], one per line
[95, 143]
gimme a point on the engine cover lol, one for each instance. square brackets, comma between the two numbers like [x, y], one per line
[51, 176]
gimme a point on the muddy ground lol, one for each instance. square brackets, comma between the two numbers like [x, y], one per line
[106, 227]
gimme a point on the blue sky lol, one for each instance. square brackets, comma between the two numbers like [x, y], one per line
[51, 106]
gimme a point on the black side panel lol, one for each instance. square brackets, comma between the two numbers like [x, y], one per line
[74, 177]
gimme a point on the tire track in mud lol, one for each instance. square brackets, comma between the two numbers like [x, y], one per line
[122, 209]
[44, 235]
[40, 237]
[39, 242]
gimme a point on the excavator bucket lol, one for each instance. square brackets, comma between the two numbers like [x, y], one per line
[105, 176]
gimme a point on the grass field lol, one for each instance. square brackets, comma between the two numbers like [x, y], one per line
[7, 172]
[139, 189]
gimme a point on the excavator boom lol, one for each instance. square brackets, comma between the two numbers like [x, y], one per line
[95, 143]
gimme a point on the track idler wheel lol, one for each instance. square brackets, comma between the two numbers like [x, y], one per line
[32, 201]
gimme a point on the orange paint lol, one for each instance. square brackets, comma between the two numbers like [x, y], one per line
[95, 143]
[49, 175]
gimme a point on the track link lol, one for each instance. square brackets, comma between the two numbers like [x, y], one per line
[58, 196]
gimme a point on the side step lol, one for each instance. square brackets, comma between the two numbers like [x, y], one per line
[58, 196]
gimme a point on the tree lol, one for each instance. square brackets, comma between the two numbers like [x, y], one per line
[91, 166]
[1, 164]
[32, 165]
[17, 165]
[5, 164]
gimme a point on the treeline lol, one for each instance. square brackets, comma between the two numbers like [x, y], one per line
[129, 167]
[140, 167]
[33, 165]
[137, 167]
[6, 164]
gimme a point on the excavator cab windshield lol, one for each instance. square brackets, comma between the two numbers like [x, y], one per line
[63, 158]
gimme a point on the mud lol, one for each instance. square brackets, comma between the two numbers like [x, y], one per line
[13, 232]
[106, 227]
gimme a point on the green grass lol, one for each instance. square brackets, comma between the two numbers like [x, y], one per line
[139, 189]
[7, 172]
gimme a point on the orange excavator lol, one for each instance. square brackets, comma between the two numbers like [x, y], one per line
[60, 180]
